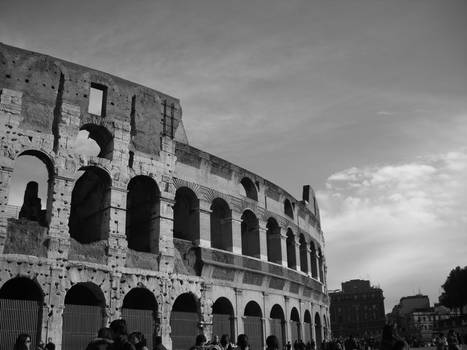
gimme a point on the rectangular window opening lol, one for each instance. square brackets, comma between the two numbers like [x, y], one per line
[97, 99]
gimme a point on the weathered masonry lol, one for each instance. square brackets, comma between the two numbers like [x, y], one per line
[149, 228]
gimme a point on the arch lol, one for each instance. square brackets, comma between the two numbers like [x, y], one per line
[221, 225]
[142, 214]
[307, 326]
[90, 206]
[31, 187]
[139, 309]
[277, 324]
[83, 314]
[184, 321]
[253, 325]
[291, 251]
[288, 209]
[318, 334]
[102, 137]
[314, 266]
[273, 241]
[186, 215]
[303, 254]
[250, 188]
[250, 234]
[295, 325]
[223, 317]
[21, 302]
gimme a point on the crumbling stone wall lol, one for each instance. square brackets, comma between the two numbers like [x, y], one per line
[43, 106]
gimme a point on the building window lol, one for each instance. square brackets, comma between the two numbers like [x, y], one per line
[97, 99]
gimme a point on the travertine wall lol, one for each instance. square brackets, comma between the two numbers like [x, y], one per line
[43, 105]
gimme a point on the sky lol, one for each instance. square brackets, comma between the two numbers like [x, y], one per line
[365, 100]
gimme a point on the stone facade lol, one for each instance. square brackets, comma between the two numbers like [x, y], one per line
[149, 212]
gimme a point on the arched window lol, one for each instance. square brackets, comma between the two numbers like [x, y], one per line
[303, 254]
[21, 301]
[314, 266]
[184, 321]
[90, 206]
[295, 324]
[139, 310]
[142, 214]
[221, 225]
[223, 317]
[273, 236]
[253, 325]
[250, 188]
[288, 209]
[250, 234]
[318, 332]
[291, 254]
[94, 140]
[277, 324]
[186, 215]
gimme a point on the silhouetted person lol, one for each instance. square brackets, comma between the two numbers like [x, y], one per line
[103, 341]
[158, 343]
[120, 335]
[32, 207]
[272, 343]
[242, 342]
[50, 345]
[288, 346]
[200, 342]
[225, 342]
[138, 340]
[23, 342]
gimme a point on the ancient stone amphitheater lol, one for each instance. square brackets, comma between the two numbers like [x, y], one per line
[171, 238]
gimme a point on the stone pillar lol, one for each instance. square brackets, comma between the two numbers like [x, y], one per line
[236, 233]
[53, 310]
[206, 311]
[67, 128]
[297, 253]
[166, 243]
[308, 259]
[5, 177]
[263, 245]
[121, 141]
[11, 102]
[288, 330]
[165, 309]
[238, 311]
[283, 246]
[266, 323]
[118, 244]
[204, 239]
[114, 309]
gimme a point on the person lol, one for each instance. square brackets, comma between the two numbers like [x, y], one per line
[138, 340]
[215, 344]
[242, 342]
[23, 342]
[200, 342]
[103, 341]
[50, 345]
[225, 342]
[120, 335]
[272, 343]
[452, 340]
[158, 343]
[288, 346]
[41, 345]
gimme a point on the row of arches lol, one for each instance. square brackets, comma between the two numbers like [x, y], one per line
[21, 301]
[90, 216]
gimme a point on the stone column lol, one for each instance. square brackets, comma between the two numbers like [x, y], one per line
[206, 311]
[283, 234]
[114, 309]
[288, 329]
[5, 177]
[308, 259]
[263, 247]
[118, 244]
[236, 233]
[165, 309]
[204, 239]
[297, 252]
[53, 310]
[166, 243]
[238, 311]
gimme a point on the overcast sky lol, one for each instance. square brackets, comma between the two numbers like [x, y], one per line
[365, 100]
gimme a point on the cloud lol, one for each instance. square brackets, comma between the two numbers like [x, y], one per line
[404, 225]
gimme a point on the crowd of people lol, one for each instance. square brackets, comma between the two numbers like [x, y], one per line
[116, 337]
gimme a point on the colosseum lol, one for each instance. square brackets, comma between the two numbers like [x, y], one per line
[148, 228]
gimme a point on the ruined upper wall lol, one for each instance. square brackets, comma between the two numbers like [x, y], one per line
[47, 82]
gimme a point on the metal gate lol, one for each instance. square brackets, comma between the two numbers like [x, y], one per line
[295, 330]
[16, 317]
[185, 328]
[307, 335]
[80, 325]
[223, 324]
[277, 329]
[253, 326]
[140, 321]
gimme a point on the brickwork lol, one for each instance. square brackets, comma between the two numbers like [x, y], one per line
[43, 107]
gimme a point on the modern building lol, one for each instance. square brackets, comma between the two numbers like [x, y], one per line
[174, 239]
[357, 309]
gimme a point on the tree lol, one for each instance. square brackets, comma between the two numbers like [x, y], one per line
[455, 289]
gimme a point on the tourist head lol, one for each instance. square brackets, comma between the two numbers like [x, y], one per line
[225, 339]
[272, 342]
[23, 342]
[137, 338]
[200, 340]
[215, 339]
[242, 341]
[118, 328]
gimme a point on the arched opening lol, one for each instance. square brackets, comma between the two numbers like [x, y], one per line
[253, 325]
[21, 302]
[273, 236]
[277, 323]
[303, 254]
[250, 188]
[223, 318]
[325, 327]
[90, 206]
[250, 234]
[83, 315]
[184, 321]
[221, 225]
[318, 334]
[186, 215]
[31, 187]
[142, 214]
[295, 325]
[314, 266]
[139, 309]
[291, 254]
[307, 326]
[94, 140]
[288, 209]
[320, 265]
